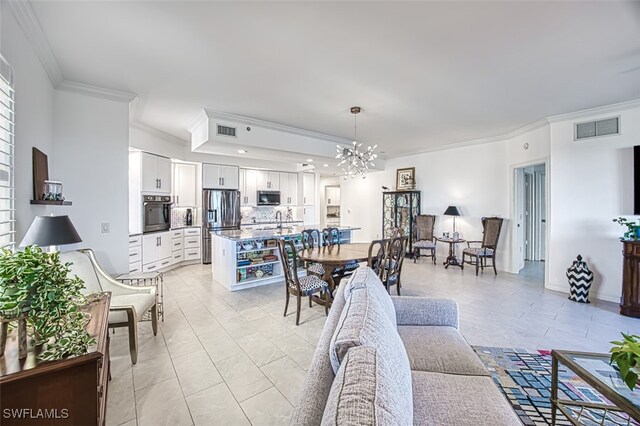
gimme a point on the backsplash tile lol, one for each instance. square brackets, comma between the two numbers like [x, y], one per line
[266, 214]
[179, 217]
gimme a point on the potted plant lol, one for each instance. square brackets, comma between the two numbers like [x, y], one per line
[38, 285]
[626, 356]
[633, 228]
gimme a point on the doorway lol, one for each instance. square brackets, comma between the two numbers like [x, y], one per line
[531, 220]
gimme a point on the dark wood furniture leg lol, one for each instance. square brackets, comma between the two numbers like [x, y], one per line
[554, 389]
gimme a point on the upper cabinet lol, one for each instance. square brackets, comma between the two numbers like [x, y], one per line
[268, 181]
[248, 187]
[215, 176]
[184, 184]
[289, 189]
[308, 188]
[155, 174]
[332, 195]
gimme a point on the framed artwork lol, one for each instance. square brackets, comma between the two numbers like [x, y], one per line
[405, 179]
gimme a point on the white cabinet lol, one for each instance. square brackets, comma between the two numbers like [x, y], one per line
[156, 174]
[309, 215]
[289, 189]
[248, 187]
[268, 181]
[156, 251]
[308, 189]
[135, 253]
[215, 176]
[332, 195]
[184, 184]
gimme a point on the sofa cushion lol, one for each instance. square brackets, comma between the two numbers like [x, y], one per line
[440, 349]
[366, 392]
[365, 277]
[450, 399]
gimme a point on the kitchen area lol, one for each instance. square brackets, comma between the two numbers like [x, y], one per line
[183, 213]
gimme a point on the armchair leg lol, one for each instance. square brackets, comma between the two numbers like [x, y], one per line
[327, 296]
[493, 261]
[154, 319]
[310, 302]
[133, 336]
[286, 304]
[462, 263]
[298, 311]
[477, 264]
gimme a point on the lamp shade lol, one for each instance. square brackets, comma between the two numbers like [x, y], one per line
[452, 211]
[51, 231]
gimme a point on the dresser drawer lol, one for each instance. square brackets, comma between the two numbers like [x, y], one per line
[176, 233]
[135, 241]
[191, 242]
[190, 232]
[135, 267]
[192, 254]
[176, 244]
[135, 254]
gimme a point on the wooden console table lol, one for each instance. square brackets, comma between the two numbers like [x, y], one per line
[630, 300]
[65, 392]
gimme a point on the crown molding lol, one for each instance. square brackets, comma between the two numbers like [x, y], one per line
[96, 91]
[274, 126]
[158, 133]
[28, 22]
[607, 109]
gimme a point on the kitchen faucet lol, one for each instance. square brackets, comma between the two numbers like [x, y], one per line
[279, 219]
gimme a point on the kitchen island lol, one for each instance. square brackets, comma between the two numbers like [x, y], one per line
[246, 258]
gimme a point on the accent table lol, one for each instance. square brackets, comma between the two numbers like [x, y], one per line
[594, 368]
[451, 260]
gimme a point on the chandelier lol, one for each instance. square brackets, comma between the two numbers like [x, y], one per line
[352, 161]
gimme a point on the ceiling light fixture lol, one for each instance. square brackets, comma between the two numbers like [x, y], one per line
[242, 151]
[352, 161]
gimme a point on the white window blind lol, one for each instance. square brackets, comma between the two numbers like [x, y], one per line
[7, 182]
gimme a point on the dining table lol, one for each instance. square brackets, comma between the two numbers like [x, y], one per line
[332, 257]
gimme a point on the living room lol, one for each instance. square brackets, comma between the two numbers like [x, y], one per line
[453, 99]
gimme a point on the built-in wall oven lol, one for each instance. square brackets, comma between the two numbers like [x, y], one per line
[157, 213]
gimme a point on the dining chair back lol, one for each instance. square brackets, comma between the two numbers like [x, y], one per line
[330, 237]
[311, 238]
[394, 261]
[378, 250]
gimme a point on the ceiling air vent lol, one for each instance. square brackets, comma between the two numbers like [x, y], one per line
[226, 131]
[592, 129]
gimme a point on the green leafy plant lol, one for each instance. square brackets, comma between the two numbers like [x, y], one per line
[632, 228]
[626, 356]
[37, 284]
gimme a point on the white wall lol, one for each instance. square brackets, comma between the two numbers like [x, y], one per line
[34, 118]
[91, 144]
[589, 187]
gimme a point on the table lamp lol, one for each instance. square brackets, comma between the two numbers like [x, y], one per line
[453, 211]
[51, 231]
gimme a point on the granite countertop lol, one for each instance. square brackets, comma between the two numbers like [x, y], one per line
[269, 223]
[175, 228]
[255, 234]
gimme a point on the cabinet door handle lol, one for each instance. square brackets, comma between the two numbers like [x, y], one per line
[177, 199]
[159, 183]
[222, 181]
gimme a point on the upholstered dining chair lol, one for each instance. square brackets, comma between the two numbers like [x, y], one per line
[393, 264]
[330, 238]
[128, 303]
[424, 238]
[303, 286]
[477, 256]
[312, 238]
[378, 250]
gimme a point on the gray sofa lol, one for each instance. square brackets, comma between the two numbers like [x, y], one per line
[448, 383]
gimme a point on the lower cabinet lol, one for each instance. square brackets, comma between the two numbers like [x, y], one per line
[162, 250]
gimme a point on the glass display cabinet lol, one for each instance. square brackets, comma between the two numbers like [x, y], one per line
[399, 209]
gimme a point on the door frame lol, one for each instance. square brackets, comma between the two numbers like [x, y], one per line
[513, 210]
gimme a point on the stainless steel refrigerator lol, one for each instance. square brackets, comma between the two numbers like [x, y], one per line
[220, 210]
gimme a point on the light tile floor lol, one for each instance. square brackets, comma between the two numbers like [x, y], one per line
[224, 358]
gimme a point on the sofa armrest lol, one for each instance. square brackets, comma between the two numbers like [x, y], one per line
[425, 311]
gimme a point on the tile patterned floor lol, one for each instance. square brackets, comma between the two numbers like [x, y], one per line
[224, 358]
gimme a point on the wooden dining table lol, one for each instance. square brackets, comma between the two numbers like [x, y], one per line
[332, 257]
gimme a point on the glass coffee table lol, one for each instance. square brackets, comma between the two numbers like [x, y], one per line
[623, 407]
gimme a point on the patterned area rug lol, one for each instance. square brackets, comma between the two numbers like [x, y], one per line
[525, 379]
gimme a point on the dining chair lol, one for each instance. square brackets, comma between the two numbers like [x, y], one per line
[331, 238]
[312, 238]
[424, 238]
[378, 250]
[300, 287]
[477, 256]
[393, 263]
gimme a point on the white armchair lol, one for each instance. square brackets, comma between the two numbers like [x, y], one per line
[128, 303]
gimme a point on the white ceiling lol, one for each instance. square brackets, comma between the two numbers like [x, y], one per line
[426, 74]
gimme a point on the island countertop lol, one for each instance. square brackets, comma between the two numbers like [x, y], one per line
[256, 234]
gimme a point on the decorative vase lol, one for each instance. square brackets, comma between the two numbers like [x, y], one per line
[580, 279]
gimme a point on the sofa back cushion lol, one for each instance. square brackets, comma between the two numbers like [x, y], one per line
[366, 392]
[366, 277]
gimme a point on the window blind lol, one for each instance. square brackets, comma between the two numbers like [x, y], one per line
[7, 177]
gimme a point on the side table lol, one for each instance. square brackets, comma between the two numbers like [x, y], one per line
[451, 260]
[141, 279]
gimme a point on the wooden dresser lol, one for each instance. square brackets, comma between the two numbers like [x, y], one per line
[630, 300]
[65, 392]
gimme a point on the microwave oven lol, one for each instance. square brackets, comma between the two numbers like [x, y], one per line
[268, 198]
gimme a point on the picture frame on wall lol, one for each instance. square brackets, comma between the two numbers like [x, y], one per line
[406, 179]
